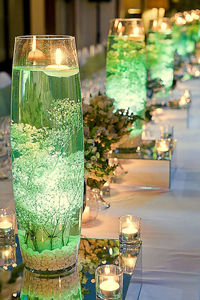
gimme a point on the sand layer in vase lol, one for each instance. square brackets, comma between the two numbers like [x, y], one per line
[50, 260]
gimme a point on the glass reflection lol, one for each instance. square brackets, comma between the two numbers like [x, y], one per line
[45, 288]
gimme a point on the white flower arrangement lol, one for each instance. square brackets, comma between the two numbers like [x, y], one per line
[104, 128]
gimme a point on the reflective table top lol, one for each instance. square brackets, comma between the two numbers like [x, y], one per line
[18, 283]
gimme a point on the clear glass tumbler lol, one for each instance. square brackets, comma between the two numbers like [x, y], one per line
[129, 231]
[109, 282]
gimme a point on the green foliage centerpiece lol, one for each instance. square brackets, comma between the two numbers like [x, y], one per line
[104, 130]
[47, 151]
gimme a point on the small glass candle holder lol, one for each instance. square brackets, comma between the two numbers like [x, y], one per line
[90, 211]
[109, 282]
[166, 131]
[162, 148]
[7, 255]
[127, 261]
[129, 231]
[7, 221]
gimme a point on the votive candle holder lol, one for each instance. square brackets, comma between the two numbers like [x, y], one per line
[129, 231]
[109, 282]
[7, 221]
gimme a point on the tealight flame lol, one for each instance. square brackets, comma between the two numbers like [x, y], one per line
[107, 270]
[189, 18]
[34, 43]
[155, 23]
[163, 26]
[120, 26]
[136, 31]
[6, 253]
[58, 56]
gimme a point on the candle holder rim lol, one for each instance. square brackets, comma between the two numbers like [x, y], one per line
[161, 19]
[6, 212]
[117, 267]
[123, 216]
[45, 37]
[127, 19]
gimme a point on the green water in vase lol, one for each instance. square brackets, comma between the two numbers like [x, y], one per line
[47, 165]
[160, 58]
[126, 75]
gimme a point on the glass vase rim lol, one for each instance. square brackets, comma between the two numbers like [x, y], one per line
[161, 19]
[116, 267]
[127, 19]
[45, 37]
[129, 215]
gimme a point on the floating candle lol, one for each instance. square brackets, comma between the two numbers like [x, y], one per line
[59, 70]
[109, 286]
[35, 54]
[130, 261]
[130, 230]
[162, 146]
[5, 224]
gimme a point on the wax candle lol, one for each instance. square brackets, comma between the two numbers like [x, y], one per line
[109, 282]
[35, 54]
[137, 33]
[5, 224]
[162, 146]
[59, 70]
[109, 287]
[129, 229]
[182, 101]
[129, 262]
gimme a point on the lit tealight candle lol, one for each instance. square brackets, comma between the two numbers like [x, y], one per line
[5, 225]
[35, 54]
[109, 287]
[182, 101]
[130, 261]
[162, 146]
[129, 229]
[159, 111]
[137, 33]
[59, 70]
[86, 214]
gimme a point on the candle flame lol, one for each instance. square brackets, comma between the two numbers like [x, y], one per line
[136, 31]
[188, 18]
[34, 43]
[128, 221]
[120, 26]
[6, 253]
[107, 270]
[58, 56]
[155, 23]
[163, 26]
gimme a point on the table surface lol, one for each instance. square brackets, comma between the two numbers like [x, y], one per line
[92, 253]
[170, 219]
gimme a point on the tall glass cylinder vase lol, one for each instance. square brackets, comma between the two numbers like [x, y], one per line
[126, 67]
[47, 151]
[160, 53]
[179, 35]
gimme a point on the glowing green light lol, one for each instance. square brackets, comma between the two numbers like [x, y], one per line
[160, 57]
[48, 166]
[126, 74]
